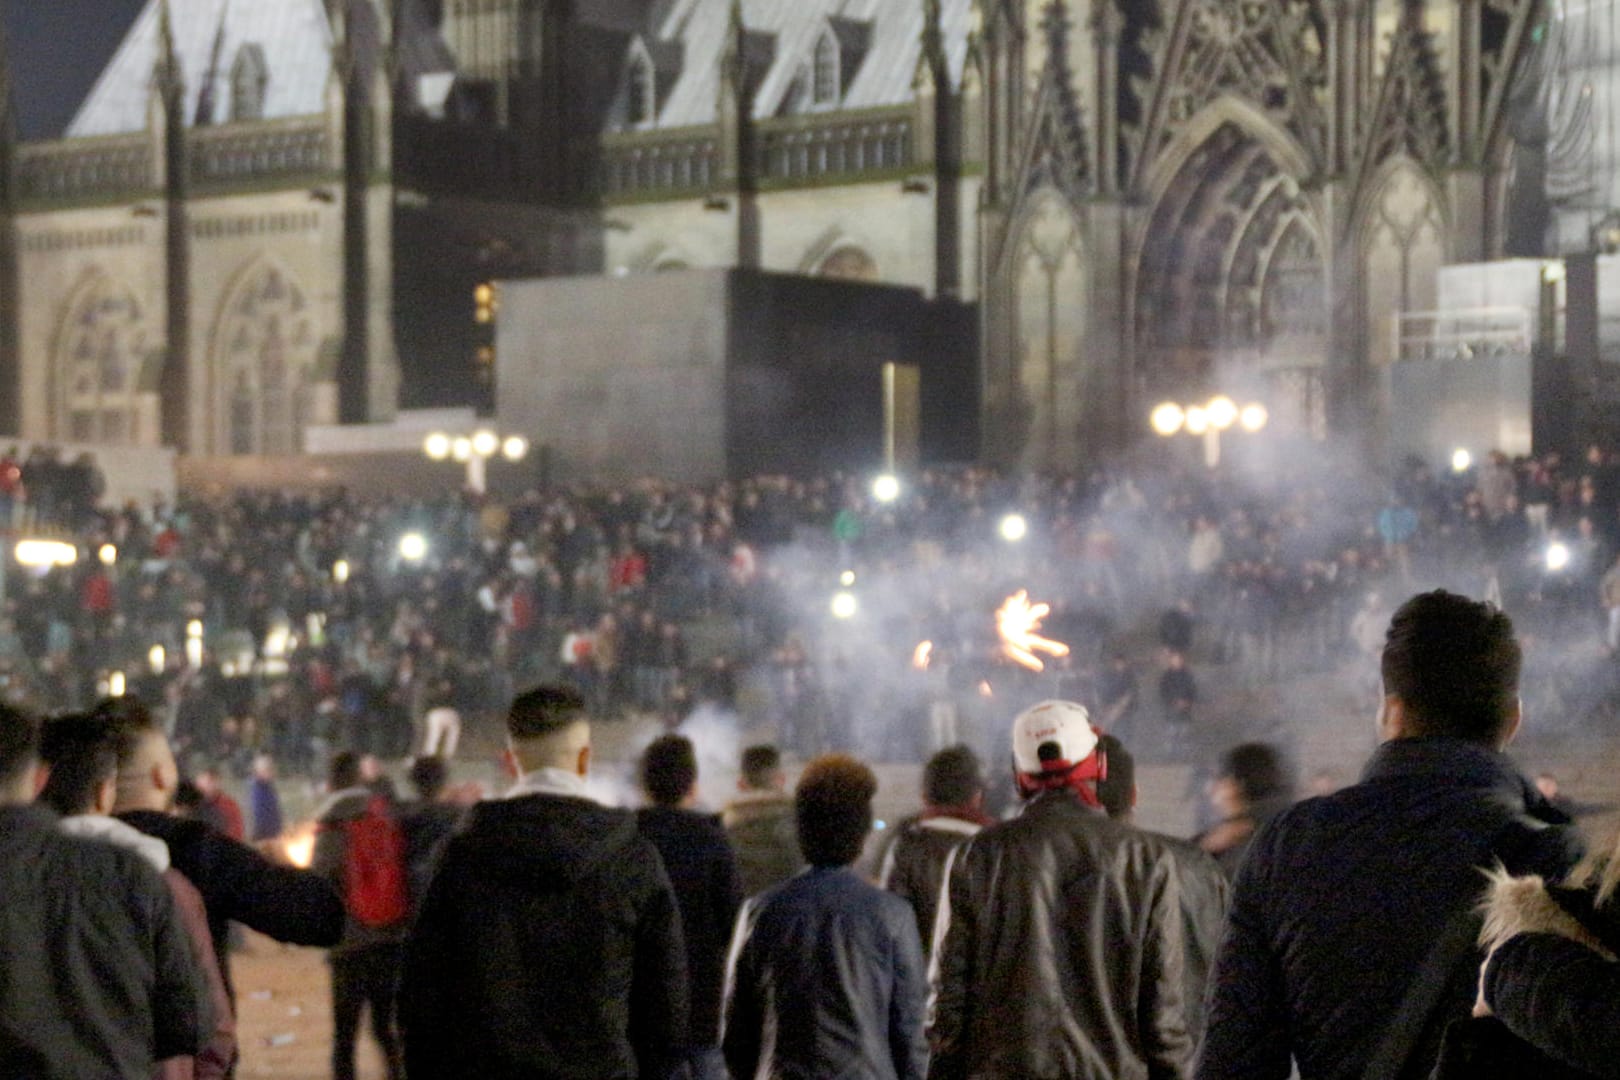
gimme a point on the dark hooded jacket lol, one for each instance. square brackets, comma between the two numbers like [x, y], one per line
[549, 945]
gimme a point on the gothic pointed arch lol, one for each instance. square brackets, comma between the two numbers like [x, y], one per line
[1054, 151]
[102, 342]
[837, 253]
[659, 257]
[848, 263]
[1409, 117]
[640, 89]
[1049, 385]
[1268, 53]
[263, 364]
[1400, 246]
[1229, 270]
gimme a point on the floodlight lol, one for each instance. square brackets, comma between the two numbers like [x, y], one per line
[1167, 418]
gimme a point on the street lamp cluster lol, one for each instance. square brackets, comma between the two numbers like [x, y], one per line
[1207, 421]
[474, 451]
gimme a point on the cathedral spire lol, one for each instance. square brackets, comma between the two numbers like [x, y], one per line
[206, 93]
[734, 61]
[170, 79]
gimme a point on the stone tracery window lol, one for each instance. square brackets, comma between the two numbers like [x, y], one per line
[103, 343]
[265, 364]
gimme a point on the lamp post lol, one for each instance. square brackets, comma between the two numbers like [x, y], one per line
[474, 451]
[1208, 421]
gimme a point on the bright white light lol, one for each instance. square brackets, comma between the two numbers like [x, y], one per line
[38, 554]
[413, 547]
[1014, 528]
[1552, 272]
[194, 628]
[844, 605]
[1197, 420]
[847, 578]
[108, 554]
[340, 571]
[1167, 418]
[194, 651]
[116, 684]
[158, 657]
[1253, 417]
[461, 448]
[1557, 557]
[277, 641]
[485, 443]
[515, 448]
[1222, 412]
[886, 488]
[437, 446]
[1461, 460]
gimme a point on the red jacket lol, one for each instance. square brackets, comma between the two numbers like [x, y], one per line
[96, 595]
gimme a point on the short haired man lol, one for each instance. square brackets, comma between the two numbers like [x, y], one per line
[1338, 908]
[759, 822]
[1059, 948]
[914, 865]
[703, 872]
[550, 941]
[1252, 786]
[82, 755]
[826, 972]
[237, 883]
[427, 822]
[97, 977]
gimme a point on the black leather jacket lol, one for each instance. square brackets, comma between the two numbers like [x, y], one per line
[914, 866]
[1062, 955]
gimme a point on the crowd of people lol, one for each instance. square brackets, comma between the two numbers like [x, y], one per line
[42, 488]
[544, 934]
[299, 625]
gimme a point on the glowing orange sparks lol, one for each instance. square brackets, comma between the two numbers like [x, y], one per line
[1018, 622]
[922, 654]
[300, 847]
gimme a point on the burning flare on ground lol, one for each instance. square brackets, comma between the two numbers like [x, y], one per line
[299, 847]
[1018, 622]
[922, 654]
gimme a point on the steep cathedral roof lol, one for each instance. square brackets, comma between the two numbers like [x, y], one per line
[294, 43]
[893, 28]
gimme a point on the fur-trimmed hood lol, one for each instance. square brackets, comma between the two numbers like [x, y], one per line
[1525, 905]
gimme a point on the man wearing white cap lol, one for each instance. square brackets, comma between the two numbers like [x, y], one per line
[1058, 946]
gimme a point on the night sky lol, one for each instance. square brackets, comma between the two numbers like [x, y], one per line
[56, 49]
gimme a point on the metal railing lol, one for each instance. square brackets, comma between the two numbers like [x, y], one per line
[1464, 333]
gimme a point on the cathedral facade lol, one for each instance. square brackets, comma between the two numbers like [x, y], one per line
[277, 213]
